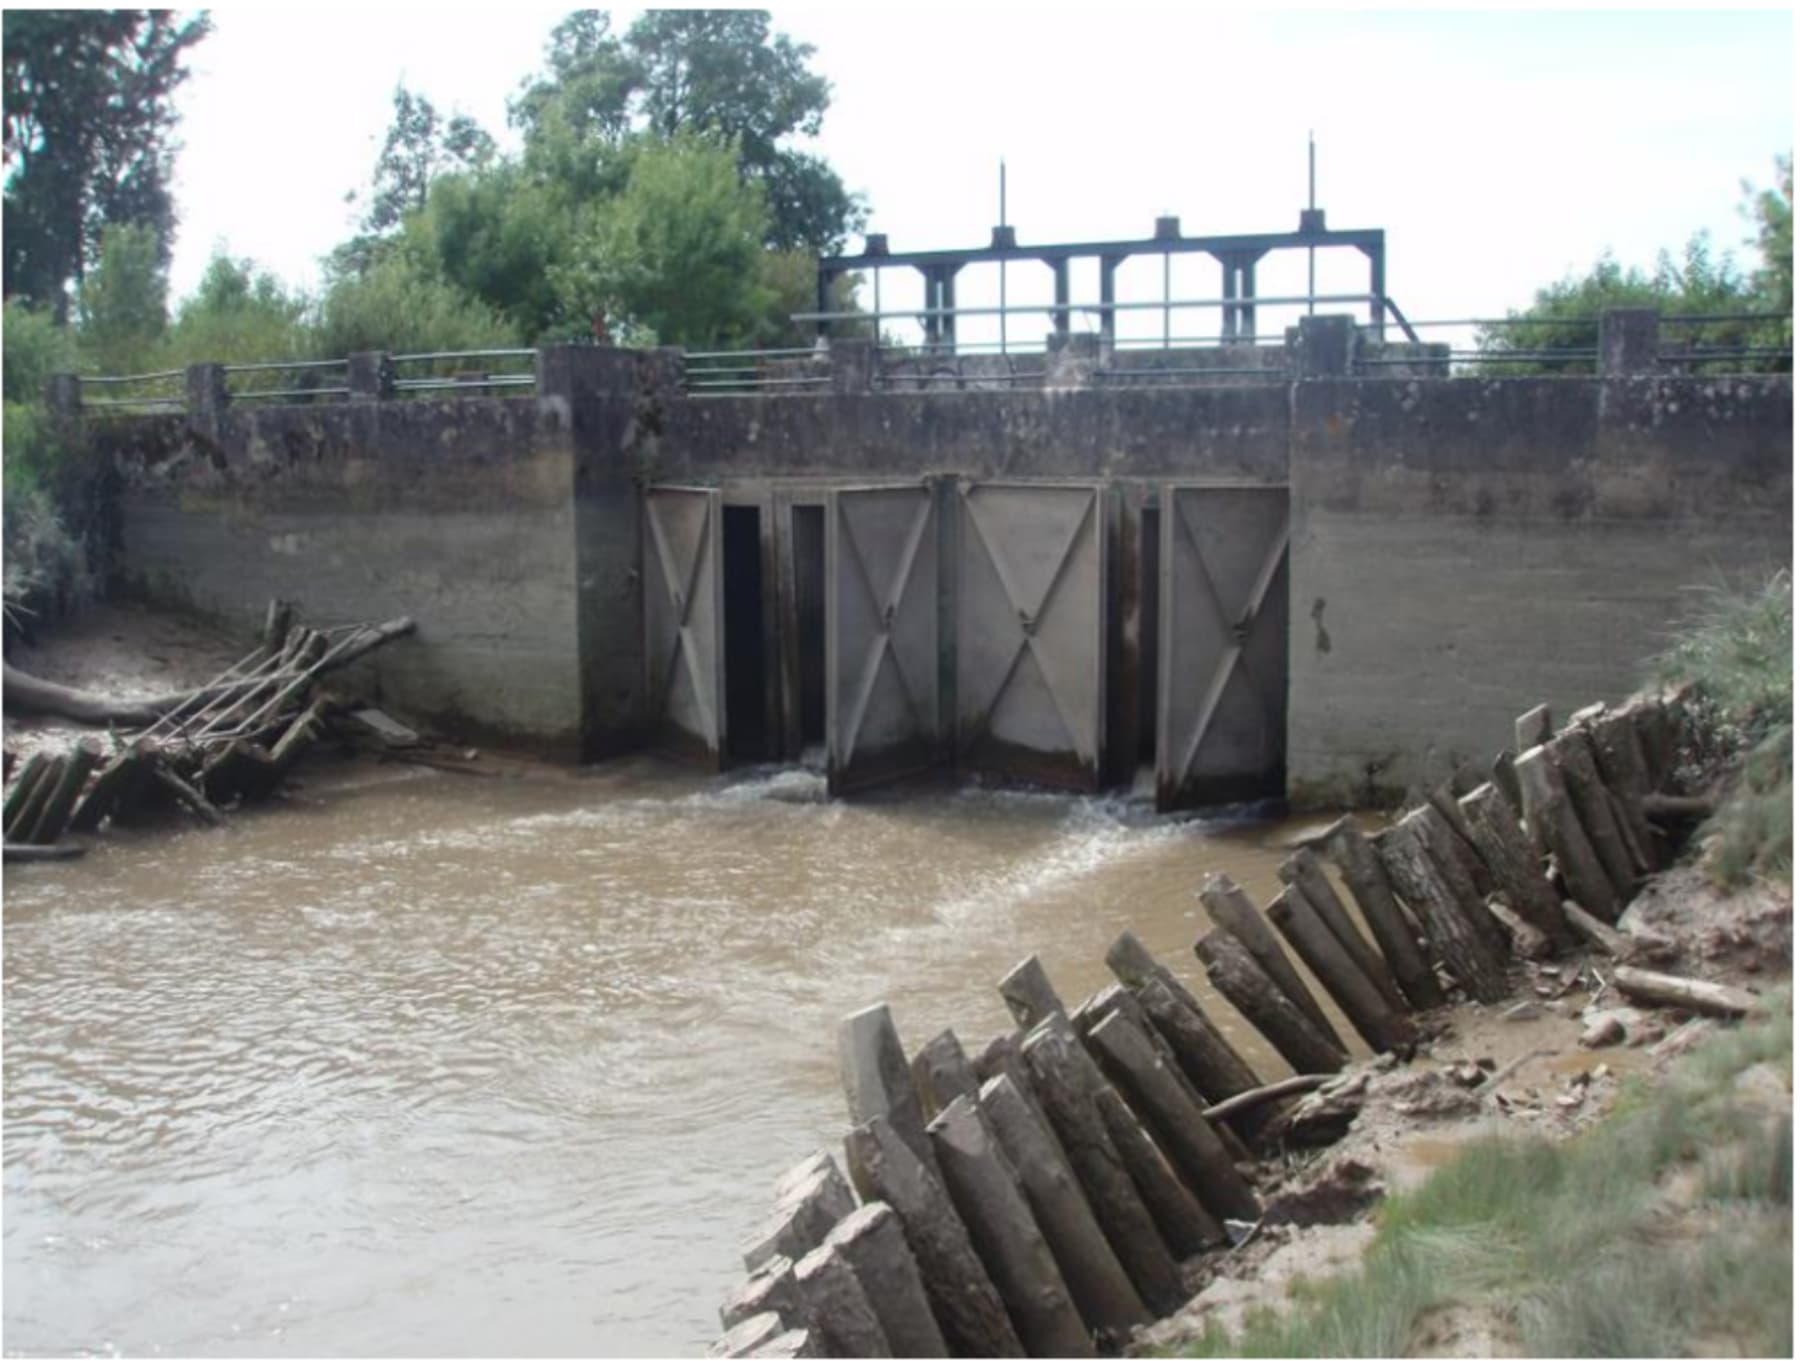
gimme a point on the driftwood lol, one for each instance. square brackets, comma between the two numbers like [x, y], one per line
[1262, 1096]
[1597, 932]
[1690, 994]
[1528, 942]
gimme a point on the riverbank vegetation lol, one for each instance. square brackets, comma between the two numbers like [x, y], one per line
[1665, 1230]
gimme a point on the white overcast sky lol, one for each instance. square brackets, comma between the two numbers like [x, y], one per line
[1499, 149]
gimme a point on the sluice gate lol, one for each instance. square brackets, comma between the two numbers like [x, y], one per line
[1064, 633]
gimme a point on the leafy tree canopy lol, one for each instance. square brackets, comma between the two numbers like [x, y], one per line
[420, 145]
[717, 72]
[88, 137]
[124, 300]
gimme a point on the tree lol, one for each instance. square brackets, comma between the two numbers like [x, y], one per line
[88, 137]
[401, 307]
[124, 301]
[677, 254]
[420, 145]
[716, 72]
[1772, 212]
[239, 314]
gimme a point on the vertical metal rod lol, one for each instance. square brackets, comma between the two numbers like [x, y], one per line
[1003, 263]
[1166, 296]
[876, 279]
[1312, 203]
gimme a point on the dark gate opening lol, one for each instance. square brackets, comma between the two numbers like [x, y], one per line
[746, 693]
[809, 619]
[1149, 630]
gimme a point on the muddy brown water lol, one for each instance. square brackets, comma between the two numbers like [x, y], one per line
[419, 1064]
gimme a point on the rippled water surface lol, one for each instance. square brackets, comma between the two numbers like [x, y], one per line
[420, 1064]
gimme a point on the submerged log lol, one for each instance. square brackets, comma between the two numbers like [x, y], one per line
[1098, 1283]
[962, 1294]
[1231, 910]
[1382, 1027]
[1361, 867]
[1006, 1235]
[1238, 978]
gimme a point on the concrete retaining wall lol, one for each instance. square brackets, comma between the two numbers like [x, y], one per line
[1460, 546]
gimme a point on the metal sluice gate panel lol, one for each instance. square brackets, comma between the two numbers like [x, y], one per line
[881, 612]
[684, 622]
[1221, 733]
[1031, 637]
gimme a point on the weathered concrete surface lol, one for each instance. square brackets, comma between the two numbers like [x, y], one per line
[370, 511]
[1464, 547]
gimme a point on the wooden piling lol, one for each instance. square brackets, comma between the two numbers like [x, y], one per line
[1237, 976]
[1547, 807]
[877, 1079]
[1306, 873]
[1178, 1122]
[112, 791]
[1473, 956]
[1229, 908]
[1610, 839]
[1116, 999]
[1108, 1301]
[809, 1199]
[31, 806]
[1621, 763]
[941, 1072]
[1006, 1235]
[17, 797]
[963, 1299]
[1517, 872]
[1361, 867]
[1505, 778]
[838, 1311]
[769, 1289]
[1381, 1026]
[872, 1240]
[1052, 1057]
[1533, 728]
[1187, 1227]
[1028, 993]
[1216, 1070]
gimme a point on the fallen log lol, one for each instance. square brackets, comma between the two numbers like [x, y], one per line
[26, 852]
[1261, 1096]
[1690, 994]
[28, 694]
[1597, 932]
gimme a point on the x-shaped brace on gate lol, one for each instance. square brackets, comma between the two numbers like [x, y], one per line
[1238, 629]
[887, 608]
[1028, 620]
[681, 596]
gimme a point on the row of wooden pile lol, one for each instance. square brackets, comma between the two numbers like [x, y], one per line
[230, 742]
[1040, 1198]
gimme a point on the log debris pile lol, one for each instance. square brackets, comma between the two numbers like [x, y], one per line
[1042, 1196]
[228, 743]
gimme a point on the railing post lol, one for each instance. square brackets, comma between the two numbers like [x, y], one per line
[853, 365]
[62, 394]
[1628, 340]
[207, 394]
[371, 376]
[1324, 347]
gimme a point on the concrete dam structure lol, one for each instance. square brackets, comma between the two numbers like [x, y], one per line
[1329, 581]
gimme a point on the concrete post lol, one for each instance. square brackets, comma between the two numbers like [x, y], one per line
[595, 397]
[1324, 347]
[1628, 340]
[62, 394]
[206, 391]
[853, 365]
[371, 376]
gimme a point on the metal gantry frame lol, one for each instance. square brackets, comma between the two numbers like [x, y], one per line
[1237, 256]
